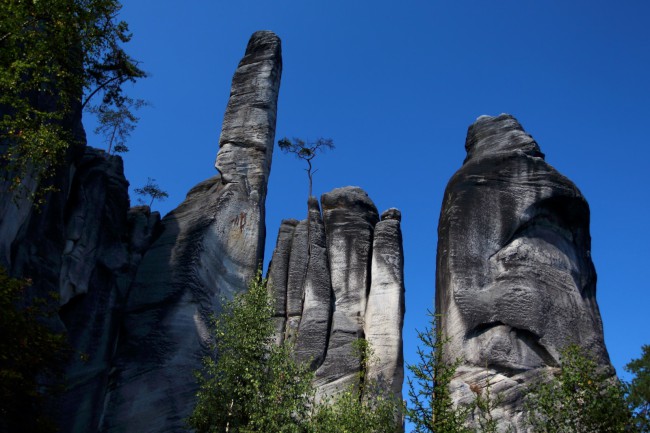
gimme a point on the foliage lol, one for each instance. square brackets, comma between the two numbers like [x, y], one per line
[151, 190]
[350, 412]
[251, 384]
[430, 407]
[117, 123]
[306, 151]
[55, 57]
[366, 408]
[639, 390]
[32, 358]
[579, 399]
[483, 406]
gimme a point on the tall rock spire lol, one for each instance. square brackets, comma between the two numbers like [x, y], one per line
[210, 247]
[515, 283]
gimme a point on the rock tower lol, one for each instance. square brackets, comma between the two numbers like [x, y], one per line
[515, 283]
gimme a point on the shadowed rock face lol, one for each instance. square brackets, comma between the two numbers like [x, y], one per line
[350, 287]
[210, 247]
[515, 282]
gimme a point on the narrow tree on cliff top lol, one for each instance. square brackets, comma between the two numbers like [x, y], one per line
[151, 190]
[306, 151]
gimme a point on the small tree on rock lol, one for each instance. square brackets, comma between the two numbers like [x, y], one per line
[151, 190]
[306, 151]
[117, 123]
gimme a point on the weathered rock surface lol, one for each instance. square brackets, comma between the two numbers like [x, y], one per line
[76, 244]
[104, 243]
[313, 331]
[515, 282]
[279, 273]
[383, 326]
[348, 291]
[210, 247]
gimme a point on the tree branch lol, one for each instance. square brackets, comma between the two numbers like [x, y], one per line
[100, 87]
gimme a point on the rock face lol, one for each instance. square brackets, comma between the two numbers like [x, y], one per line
[348, 281]
[385, 309]
[210, 247]
[515, 283]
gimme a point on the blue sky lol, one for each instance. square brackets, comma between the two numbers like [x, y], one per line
[396, 87]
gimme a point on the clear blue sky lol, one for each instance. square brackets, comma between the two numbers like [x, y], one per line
[396, 88]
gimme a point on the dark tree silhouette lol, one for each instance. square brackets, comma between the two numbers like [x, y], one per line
[151, 189]
[306, 151]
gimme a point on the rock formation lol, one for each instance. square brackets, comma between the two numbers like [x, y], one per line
[84, 244]
[342, 280]
[210, 247]
[515, 283]
[137, 292]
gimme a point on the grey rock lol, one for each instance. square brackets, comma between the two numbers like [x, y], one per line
[314, 328]
[210, 247]
[353, 289]
[76, 243]
[515, 282]
[349, 216]
[97, 266]
[278, 274]
[298, 262]
[96, 220]
[384, 317]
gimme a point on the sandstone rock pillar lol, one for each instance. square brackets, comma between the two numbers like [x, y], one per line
[384, 316]
[515, 283]
[352, 289]
[350, 217]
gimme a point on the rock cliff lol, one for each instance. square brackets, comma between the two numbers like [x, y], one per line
[137, 292]
[515, 283]
[209, 247]
[337, 278]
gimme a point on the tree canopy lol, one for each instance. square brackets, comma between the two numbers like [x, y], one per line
[580, 398]
[639, 389]
[251, 384]
[57, 57]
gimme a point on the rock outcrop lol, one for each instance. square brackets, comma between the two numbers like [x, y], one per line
[78, 244]
[342, 278]
[515, 283]
[210, 247]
